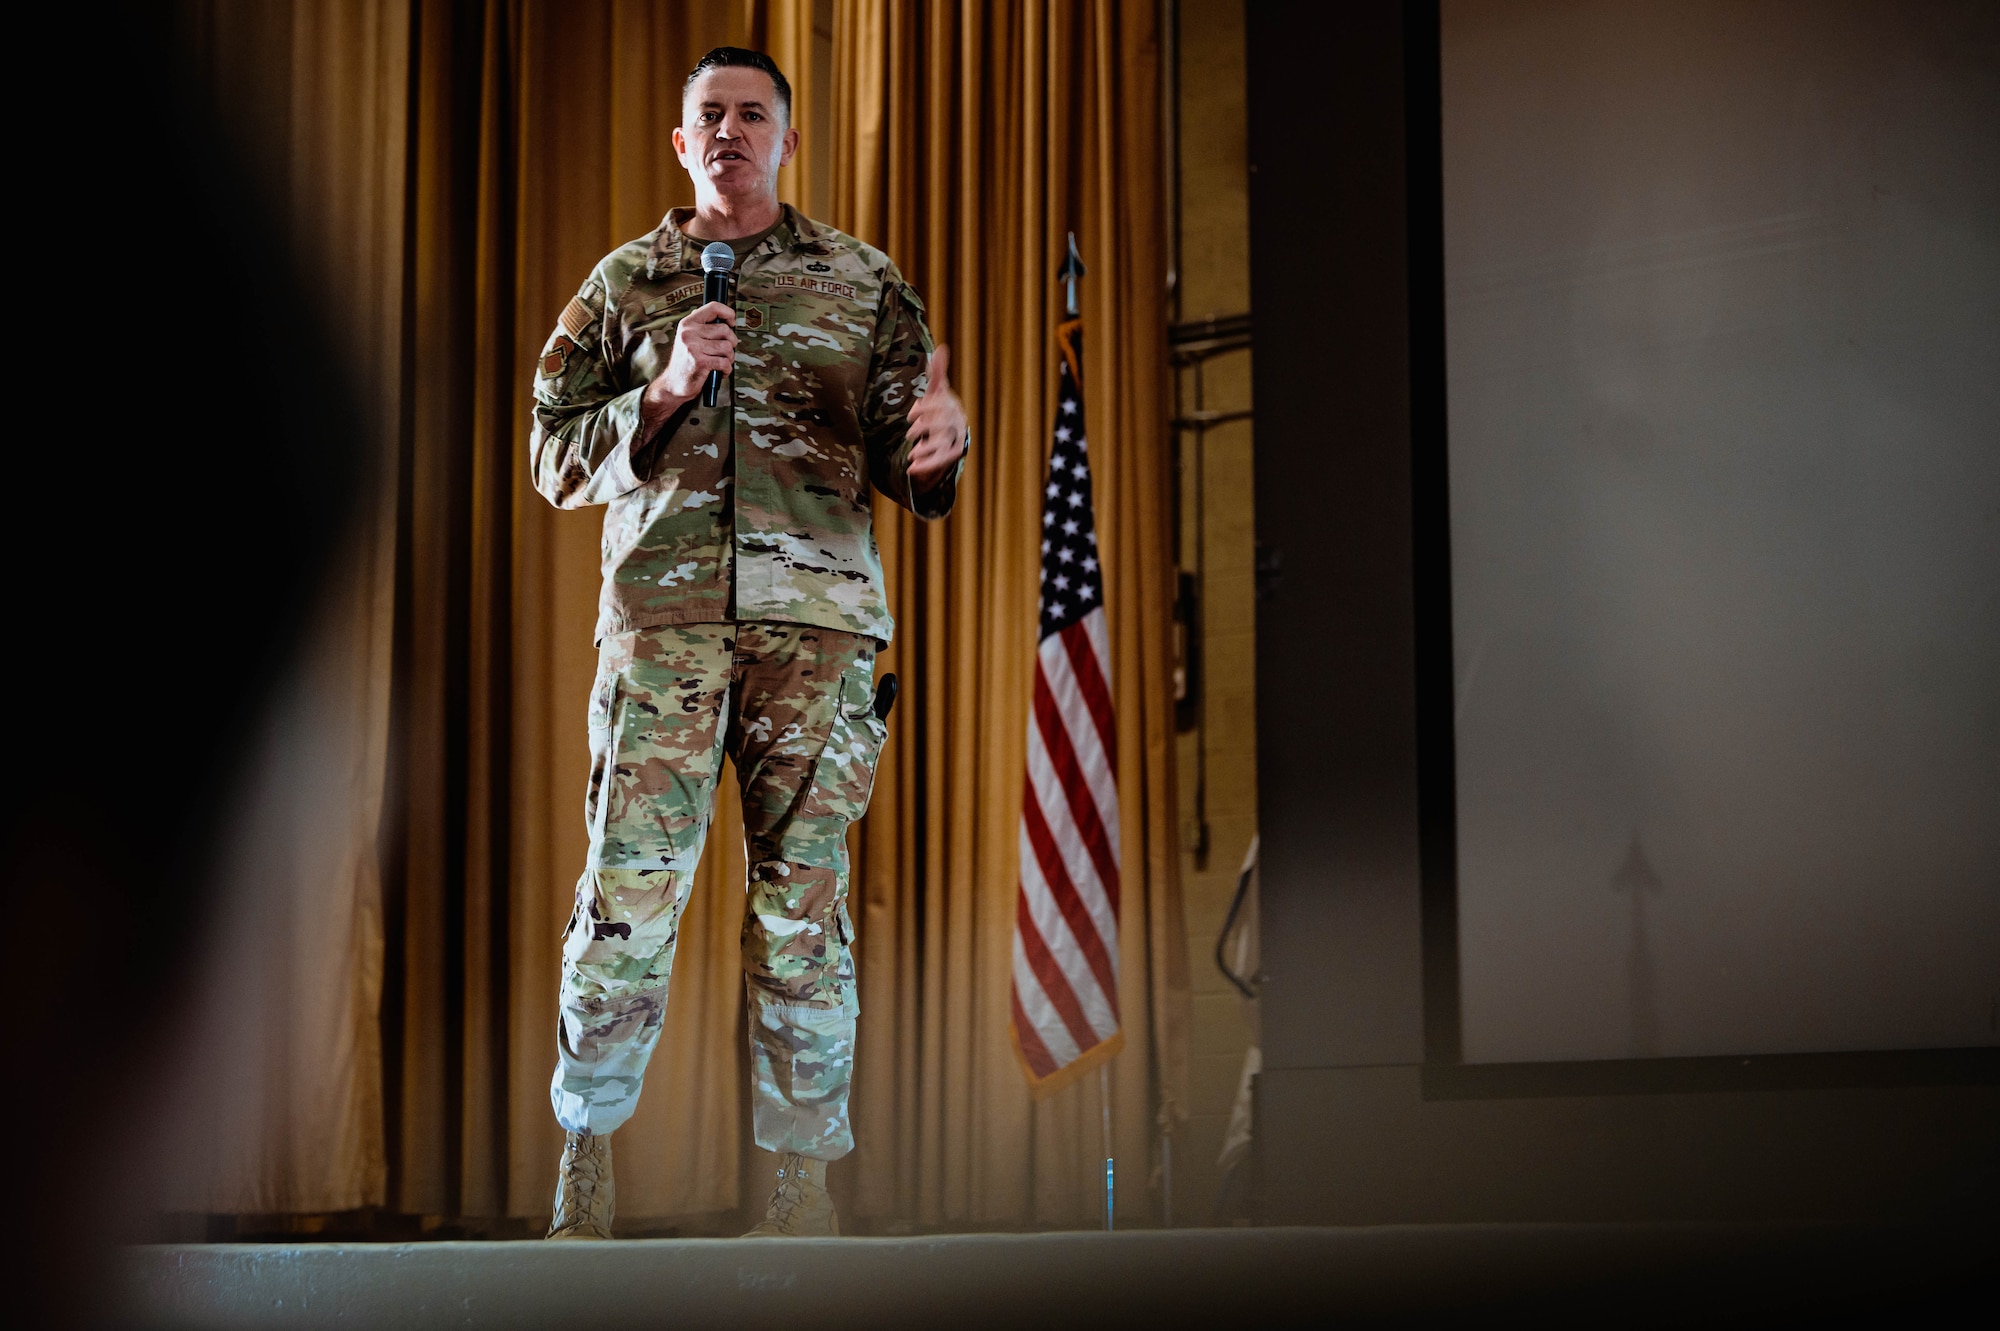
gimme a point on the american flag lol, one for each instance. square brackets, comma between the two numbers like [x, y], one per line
[1066, 919]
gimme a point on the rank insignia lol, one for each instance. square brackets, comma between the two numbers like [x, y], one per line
[556, 359]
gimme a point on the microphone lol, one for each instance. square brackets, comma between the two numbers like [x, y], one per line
[717, 283]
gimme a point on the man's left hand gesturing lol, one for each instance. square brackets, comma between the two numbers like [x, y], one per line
[937, 424]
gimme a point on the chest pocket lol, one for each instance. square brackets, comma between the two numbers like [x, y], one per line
[821, 345]
[649, 332]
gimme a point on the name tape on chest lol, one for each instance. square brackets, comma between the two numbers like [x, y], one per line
[818, 285]
[688, 293]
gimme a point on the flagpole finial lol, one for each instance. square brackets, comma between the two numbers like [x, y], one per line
[1070, 271]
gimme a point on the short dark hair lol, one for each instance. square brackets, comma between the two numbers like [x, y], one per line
[739, 57]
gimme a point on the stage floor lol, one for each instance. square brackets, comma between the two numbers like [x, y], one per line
[1600, 1275]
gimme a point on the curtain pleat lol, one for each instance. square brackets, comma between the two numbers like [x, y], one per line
[454, 169]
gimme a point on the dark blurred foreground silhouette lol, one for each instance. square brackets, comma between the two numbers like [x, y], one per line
[192, 458]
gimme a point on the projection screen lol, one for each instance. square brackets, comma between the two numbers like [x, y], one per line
[1723, 357]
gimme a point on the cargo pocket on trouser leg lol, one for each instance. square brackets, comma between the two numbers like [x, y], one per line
[843, 778]
[656, 746]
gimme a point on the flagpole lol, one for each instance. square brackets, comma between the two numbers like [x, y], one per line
[1110, 1165]
[1065, 963]
[1071, 270]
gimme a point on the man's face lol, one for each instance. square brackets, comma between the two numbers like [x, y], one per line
[733, 137]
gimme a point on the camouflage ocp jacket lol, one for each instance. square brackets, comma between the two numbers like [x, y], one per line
[758, 507]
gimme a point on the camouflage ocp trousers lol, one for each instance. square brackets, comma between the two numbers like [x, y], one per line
[793, 707]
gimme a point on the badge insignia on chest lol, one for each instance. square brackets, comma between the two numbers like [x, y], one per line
[817, 267]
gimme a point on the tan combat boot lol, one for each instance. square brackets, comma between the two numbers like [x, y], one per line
[800, 1206]
[584, 1194]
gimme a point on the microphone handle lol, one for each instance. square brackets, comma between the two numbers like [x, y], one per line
[715, 286]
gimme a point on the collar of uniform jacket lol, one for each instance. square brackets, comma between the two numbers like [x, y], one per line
[675, 251]
[760, 507]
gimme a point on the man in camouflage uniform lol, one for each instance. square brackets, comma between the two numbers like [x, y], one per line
[742, 612]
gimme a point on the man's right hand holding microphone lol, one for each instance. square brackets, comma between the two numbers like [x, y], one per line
[705, 341]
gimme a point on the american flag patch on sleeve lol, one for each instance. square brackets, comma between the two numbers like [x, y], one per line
[576, 317]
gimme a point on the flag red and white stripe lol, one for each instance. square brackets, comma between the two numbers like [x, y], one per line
[1065, 1016]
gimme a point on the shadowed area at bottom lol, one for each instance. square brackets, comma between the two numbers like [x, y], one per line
[1635, 1275]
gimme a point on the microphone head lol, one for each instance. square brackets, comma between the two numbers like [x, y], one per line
[717, 258]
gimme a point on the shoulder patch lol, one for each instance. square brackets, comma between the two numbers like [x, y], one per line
[556, 359]
[576, 316]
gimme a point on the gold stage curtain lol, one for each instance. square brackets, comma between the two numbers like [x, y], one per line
[970, 139]
[457, 169]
